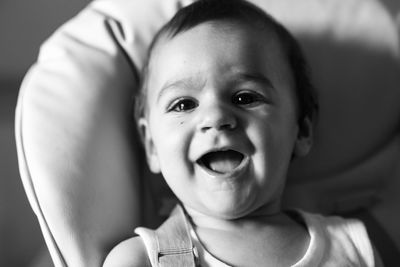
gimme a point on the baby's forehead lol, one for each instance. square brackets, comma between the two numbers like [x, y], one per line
[238, 31]
[223, 44]
[223, 48]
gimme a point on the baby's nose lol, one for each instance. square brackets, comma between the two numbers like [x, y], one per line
[217, 116]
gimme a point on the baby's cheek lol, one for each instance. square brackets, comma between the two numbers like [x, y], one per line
[171, 150]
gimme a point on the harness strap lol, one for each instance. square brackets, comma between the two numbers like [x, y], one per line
[174, 244]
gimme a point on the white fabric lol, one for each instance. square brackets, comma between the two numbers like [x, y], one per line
[150, 241]
[336, 242]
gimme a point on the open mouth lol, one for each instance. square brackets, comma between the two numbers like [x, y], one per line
[221, 162]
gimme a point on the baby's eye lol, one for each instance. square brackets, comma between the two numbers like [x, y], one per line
[183, 104]
[248, 98]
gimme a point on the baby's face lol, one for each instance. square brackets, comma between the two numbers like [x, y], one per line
[222, 118]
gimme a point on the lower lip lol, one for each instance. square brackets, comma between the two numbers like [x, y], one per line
[237, 172]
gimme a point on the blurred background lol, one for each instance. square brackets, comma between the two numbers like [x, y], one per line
[24, 25]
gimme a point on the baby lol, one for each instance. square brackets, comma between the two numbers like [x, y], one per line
[225, 106]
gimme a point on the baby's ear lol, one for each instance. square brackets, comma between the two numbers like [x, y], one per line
[305, 138]
[147, 139]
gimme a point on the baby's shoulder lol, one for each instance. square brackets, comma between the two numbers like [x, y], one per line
[128, 253]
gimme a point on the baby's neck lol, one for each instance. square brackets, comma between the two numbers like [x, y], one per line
[258, 218]
[249, 241]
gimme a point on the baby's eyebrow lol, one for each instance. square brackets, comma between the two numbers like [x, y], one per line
[254, 77]
[185, 83]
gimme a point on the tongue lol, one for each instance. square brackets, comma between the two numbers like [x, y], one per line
[223, 161]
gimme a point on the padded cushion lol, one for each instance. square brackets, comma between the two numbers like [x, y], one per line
[78, 151]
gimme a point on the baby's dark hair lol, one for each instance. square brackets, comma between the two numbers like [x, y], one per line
[239, 11]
